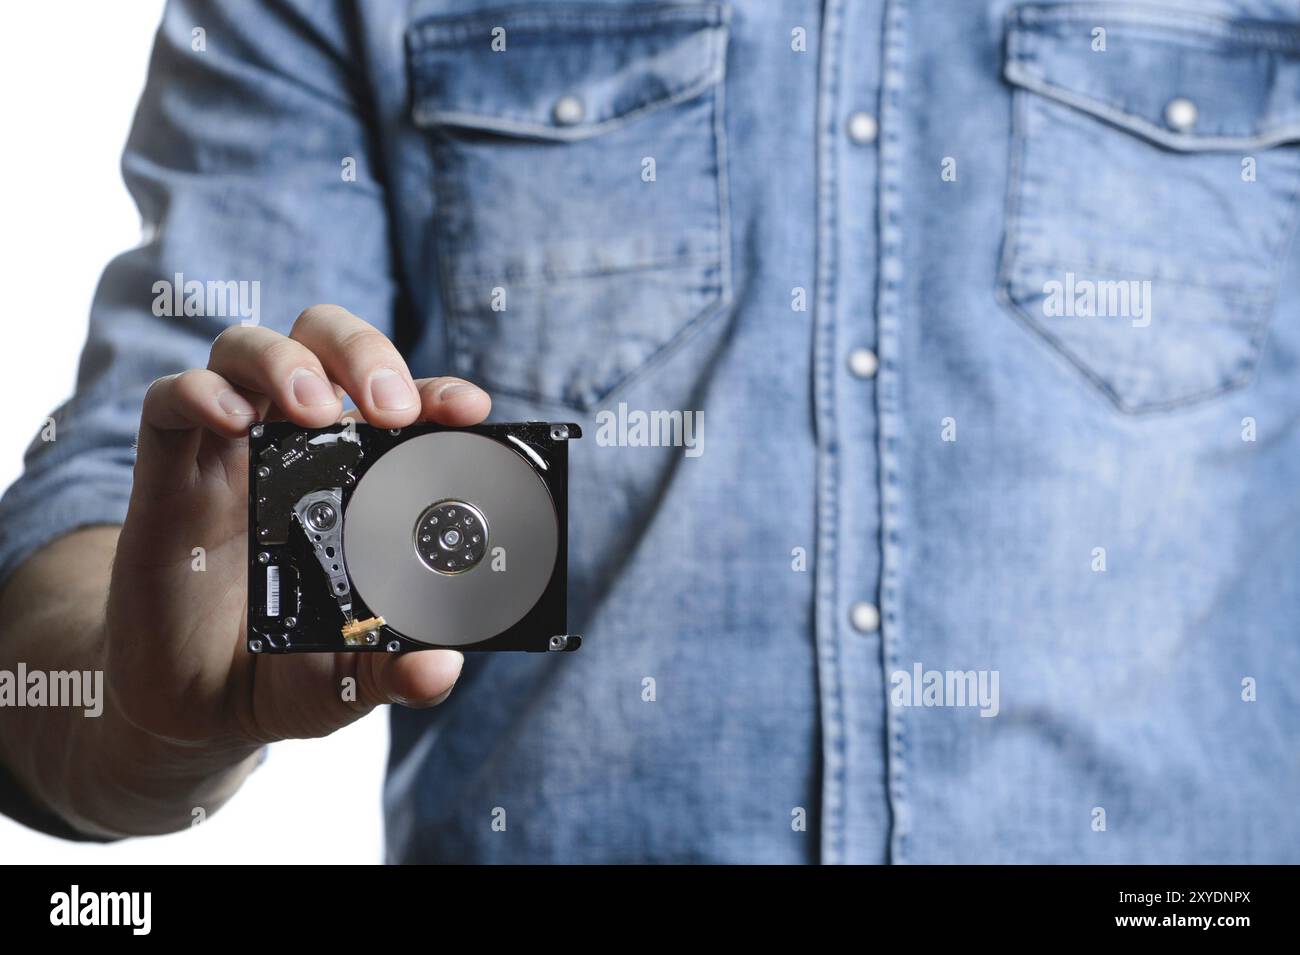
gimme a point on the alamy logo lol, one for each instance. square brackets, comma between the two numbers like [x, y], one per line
[922, 687]
[1086, 298]
[216, 299]
[74, 907]
[651, 429]
[75, 689]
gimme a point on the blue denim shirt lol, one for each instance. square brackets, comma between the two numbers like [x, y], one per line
[986, 317]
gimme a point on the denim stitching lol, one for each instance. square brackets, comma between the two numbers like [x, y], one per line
[505, 124]
[1174, 20]
[578, 19]
[545, 276]
[826, 618]
[1283, 130]
[1286, 241]
[889, 309]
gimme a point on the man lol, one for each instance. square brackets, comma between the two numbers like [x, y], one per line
[987, 556]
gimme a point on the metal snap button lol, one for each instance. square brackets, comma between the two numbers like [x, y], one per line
[1181, 114]
[568, 110]
[865, 617]
[863, 128]
[863, 362]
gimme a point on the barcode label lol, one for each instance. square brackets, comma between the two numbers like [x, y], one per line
[273, 591]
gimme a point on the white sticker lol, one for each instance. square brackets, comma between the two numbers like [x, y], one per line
[273, 591]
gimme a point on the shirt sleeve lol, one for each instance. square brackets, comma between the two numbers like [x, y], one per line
[250, 117]
[250, 160]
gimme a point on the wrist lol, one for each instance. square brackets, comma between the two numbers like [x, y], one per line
[120, 779]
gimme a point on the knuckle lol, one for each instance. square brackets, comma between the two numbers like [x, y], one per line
[158, 389]
[228, 338]
[364, 345]
[189, 383]
[281, 353]
[314, 315]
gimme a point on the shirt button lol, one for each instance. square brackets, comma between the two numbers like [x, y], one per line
[865, 617]
[1181, 114]
[863, 128]
[568, 110]
[863, 362]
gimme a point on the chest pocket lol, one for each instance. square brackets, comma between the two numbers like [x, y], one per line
[1152, 194]
[581, 207]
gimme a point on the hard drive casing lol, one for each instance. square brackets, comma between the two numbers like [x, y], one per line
[287, 462]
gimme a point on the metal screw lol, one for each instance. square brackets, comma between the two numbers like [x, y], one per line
[559, 643]
[257, 431]
[321, 515]
[290, 622]
[263, 558]
[559, 433]
[372, 637]
[255, 646]
[264, 472]
[393, 646]
[394, 431]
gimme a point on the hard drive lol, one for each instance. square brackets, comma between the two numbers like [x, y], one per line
[374, 539]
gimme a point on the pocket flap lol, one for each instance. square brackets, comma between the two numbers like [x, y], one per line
[1186, 81]
[562, 71]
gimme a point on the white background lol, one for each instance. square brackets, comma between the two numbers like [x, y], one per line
[71, 74]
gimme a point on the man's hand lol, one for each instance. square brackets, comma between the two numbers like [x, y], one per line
[187, 705]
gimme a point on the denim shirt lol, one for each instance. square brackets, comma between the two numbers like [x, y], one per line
[984, 314]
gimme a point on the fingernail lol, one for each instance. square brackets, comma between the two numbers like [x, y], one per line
[455, 390]
[234, 404]
[389, 390]
[310, 389]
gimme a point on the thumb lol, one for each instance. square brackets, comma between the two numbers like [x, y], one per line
[420, 679]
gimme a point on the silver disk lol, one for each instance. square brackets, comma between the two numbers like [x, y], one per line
[397, 493]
